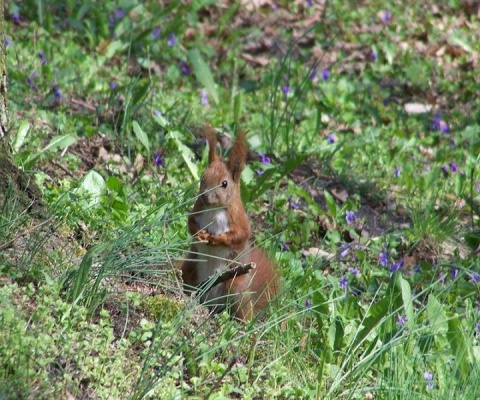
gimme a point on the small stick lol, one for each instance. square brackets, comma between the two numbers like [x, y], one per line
[240, 269]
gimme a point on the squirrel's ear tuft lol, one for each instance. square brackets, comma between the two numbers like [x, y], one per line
[212, 143]
[238, 156]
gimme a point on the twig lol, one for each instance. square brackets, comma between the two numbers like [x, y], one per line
[240, 269]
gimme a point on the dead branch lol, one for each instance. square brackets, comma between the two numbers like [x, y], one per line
[240, 269]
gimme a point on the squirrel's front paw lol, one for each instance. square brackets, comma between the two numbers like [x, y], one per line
[203, 236]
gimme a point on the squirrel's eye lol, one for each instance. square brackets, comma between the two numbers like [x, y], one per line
[224, 184]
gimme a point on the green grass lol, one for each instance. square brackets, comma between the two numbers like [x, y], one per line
[384, 307]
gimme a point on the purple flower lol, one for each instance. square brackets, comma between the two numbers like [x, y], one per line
[286, 90]
[285, 247]
[16, 17]
[313, 75]
[308, 304]
[445, 168]
[156, 33]
[383, 256]
[112, 85]
[350, 217]
[43, 59]
[56, 92]
[7, 41]
[344, 282]
[111, 21]
[332, 138]
[397, 266]
[171, 40]
[184, 68]
[344, 250]
[204, 98]
[428, 376]
[325, 74]
[354, 271]
[397, 171]
[438, 124]
[475, 277]
[373, 55]
[264, 159]
[453, 166]
[159, 161]
[478, 187]
[478, 326]
[30, 80]
[401, 321]
[454, 273]
[309, 3]
[385, 16]
[259, 172]
[274, 7]
[416, 268]
[119, 13]
[293, 205]
[442, 277]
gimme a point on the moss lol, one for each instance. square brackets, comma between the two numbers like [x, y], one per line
[161, 307]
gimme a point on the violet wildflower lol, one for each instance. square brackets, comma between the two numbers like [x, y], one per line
[428, 376]
[119, 13]
[112, 85]
[354, 271]
[7, 41]
[385, 16]
[56, 92]
[264, 159]
[313, 75]
[286, 90]
[325, 74]
[383, 256]
[309, 3]
[478, 326]
[259, 172]
[397, 266]
[43, 58]
[373, 56]
[204, 98]
[308, 304]
[285, 247]
[293, 205]
[442, 277]
[344, 282]
[438, 124]
[159, 161]
[332, 138]
[16, 17]
[274, 7]
[454, 273]
[171, 40]
[344, 250]
[111, 21]
[453, 166]
[156, 33]
[184, 68]
[397, 171]
[350, 217]
[30, 80]
[401, 321]
[445, 169]
[475, 277]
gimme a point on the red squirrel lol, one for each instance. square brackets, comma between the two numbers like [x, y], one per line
[222, 231]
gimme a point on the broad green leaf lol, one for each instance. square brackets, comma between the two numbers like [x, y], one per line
[62, 142]
[461, 345]
[93, 184]
[203, 73]
[22, 133]
[436, 316]
[141, 135]
[186, 153]
[407, 302]
[332, 206]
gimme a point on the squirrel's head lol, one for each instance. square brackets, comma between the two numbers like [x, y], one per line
[220, 183]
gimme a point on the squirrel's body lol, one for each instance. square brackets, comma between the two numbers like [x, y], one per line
[223, 231]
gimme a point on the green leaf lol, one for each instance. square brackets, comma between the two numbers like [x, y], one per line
[62, 141]
[407, 302]
[461, 345]
[93, 184]
[203, 73]
[436, 316]
[331, 205]
[186, 153]
[141, 135]
[22, 133]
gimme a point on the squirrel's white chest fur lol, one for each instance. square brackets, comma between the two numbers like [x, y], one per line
[212, 258]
